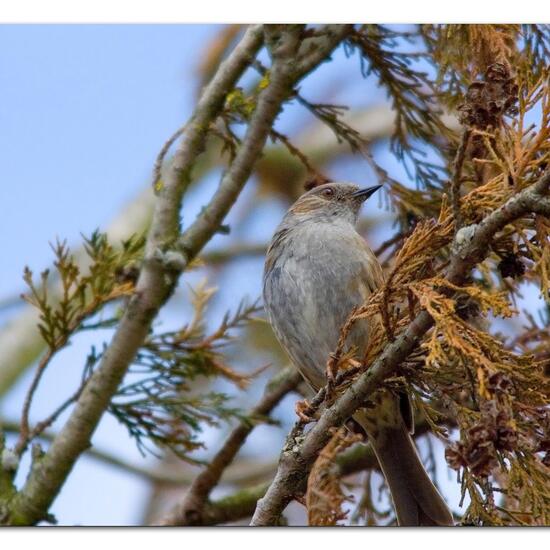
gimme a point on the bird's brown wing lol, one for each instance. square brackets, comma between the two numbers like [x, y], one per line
[372, 274]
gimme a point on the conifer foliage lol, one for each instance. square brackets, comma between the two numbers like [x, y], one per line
[471, 237]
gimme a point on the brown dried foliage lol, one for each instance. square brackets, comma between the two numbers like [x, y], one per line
[494, 387]
[325, 496]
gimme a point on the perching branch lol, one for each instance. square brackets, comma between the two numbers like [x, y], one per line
[470, 246]
[190, 510]
[241, 504]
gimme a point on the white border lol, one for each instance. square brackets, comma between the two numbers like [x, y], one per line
[238, 11]
[280, 11]
[219, 538]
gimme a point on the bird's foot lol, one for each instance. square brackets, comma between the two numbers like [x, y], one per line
[331, 370]
[303, 410]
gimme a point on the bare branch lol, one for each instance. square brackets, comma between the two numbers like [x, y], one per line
[24, 433]
[190, 510]
[157, 168]
[48, 474]
[457, 177]
[241, 504]
[49, 420]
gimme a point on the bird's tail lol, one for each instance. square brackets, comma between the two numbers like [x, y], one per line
[415, 498]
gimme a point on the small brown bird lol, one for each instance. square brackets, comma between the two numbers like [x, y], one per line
[318, 268]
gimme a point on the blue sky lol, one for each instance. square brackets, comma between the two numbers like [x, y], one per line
[84, 111]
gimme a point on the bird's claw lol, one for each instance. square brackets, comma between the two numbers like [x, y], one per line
[303, 410]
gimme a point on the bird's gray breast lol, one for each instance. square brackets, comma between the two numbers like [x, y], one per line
[311, 284]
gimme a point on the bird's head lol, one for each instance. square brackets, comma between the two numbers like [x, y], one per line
[333, 200]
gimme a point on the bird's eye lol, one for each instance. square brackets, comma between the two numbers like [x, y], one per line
[328, 192]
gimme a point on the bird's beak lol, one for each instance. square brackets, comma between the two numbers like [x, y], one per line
[364, 194]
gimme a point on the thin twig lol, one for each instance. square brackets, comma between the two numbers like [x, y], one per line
[162, 154]
[237, 251]
[390, 242]
[295, 152]
[49, 420]
[457, 177]
[24, 432]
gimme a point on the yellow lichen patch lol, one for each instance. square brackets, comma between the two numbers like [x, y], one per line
[264, 81]
[158, 186]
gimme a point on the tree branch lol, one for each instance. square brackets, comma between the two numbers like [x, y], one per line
[457, 177]
[470, 246]
[190, 510]
[155, 285]
[163, 264]
[241, 504]
[283, 76]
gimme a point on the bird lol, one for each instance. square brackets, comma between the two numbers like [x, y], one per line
[318, 268]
